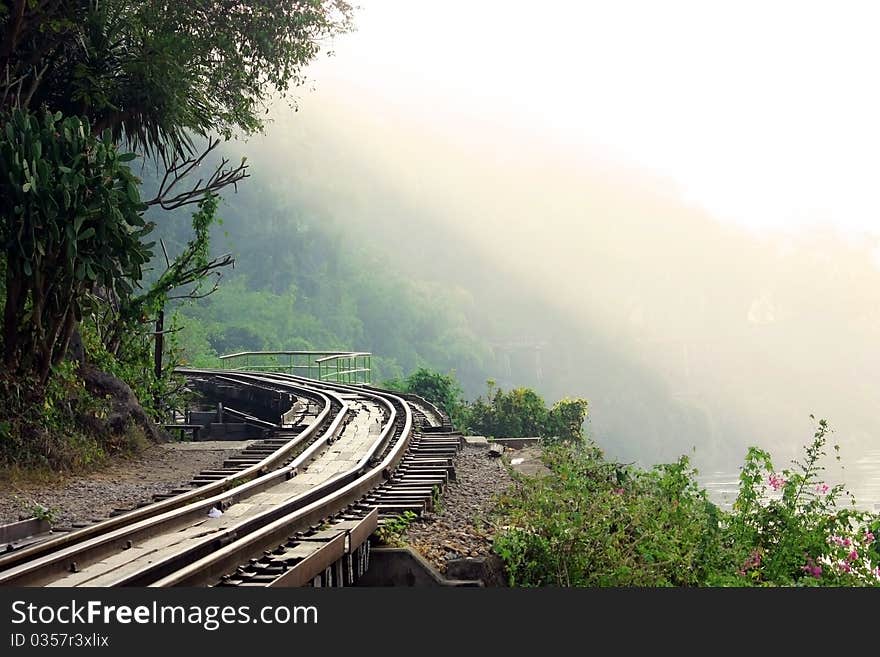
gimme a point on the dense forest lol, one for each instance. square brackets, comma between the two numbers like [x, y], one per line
[301, 282]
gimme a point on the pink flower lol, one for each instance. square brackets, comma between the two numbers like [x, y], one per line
[852, 556]
[618, 491]
[837, 540]
[869, 537]
[812, 569]
[776, 481]
[822, 489]
[845, 567]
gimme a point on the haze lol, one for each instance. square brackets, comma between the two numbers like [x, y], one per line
[688, 190]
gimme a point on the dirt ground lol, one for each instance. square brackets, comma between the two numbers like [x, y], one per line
[124, 482]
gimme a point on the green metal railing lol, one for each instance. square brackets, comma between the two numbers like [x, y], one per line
[334, 366]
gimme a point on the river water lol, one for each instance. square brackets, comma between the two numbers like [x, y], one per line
[860, 475]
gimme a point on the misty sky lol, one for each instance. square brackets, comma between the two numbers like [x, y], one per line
[763, 112]
[693, 188]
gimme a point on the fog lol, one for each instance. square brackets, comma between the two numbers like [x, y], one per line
[596, 274]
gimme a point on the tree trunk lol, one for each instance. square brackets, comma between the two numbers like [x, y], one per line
[12, 311]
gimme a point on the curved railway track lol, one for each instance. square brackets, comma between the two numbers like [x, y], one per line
[301, 514]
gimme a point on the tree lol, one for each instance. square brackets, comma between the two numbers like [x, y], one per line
[155, 73]
[159, 77]
[70, 217]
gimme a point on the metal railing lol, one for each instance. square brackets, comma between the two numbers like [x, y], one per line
[335, 366]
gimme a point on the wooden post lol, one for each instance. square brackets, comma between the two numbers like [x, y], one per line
[160, 343]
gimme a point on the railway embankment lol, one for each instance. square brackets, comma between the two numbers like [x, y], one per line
[125, 482]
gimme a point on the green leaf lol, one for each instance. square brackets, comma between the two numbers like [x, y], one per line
[86, 234]
[127, 157]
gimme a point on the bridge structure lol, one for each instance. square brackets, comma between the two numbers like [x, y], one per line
[350, 367]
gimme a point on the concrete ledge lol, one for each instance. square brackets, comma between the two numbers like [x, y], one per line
[405, 567]
[15, 531]
[517, 443]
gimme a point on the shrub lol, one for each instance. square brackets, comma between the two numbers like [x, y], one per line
[521, 413]
[595, 523]
[58, 425]
[591, 522]
[440, 389]
[788, 528]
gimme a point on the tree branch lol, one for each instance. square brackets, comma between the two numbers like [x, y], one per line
[180, 167]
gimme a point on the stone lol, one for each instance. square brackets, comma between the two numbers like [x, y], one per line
[496, 450]
[488, 569]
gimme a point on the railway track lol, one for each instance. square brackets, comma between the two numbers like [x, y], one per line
[301, 514]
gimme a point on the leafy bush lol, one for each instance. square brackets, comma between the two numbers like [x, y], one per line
[566, 419]
[58, 425]
[521, 412]
[787, 527]
[440, 389]
[516, 413]
[591, 522]
[595, 523]
[70, 220]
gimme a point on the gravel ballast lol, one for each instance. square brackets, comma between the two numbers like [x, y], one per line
[462, 527]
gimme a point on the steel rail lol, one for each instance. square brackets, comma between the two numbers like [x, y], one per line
[57, 556]
[200, 560]
[323, 497]
[302, 511]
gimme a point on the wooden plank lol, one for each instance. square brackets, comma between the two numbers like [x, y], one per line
[314, 564]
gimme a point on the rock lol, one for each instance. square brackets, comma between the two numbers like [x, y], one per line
[496, 450]
[528, 462]
[488, 569]
[476, 441]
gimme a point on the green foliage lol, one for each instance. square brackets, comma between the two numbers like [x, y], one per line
[238, 318]
[595, 523]
[392, 531]
[58, 425]
[188, 268]
[70, 220]
[521, 412]
[514, 414]
[591, 522]
[153, 75]
[565, 420]
[443, 390]
[154, 72]
[41, 512]
[133, 363]
[789, 529]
